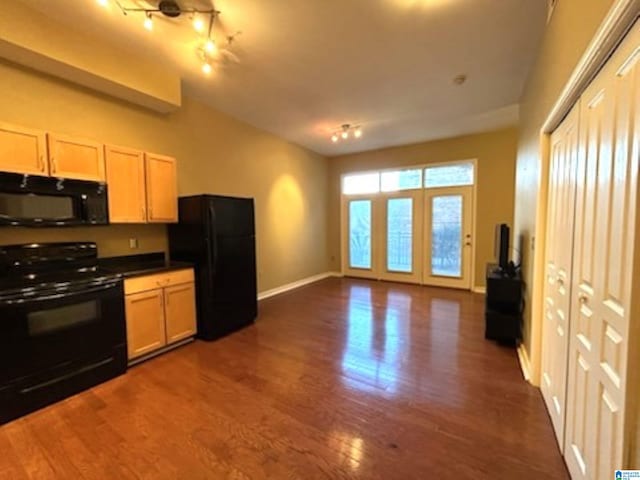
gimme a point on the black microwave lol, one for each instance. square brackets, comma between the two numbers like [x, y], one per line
[35, 201]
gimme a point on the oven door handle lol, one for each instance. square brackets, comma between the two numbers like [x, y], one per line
[22, 300]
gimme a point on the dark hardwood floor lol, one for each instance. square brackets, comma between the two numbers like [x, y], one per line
[341, 379]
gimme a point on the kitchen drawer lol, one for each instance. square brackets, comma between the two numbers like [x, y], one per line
[159, 280]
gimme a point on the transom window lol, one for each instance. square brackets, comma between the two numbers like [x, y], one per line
[361, 183]
[448, 175]
[436, 176]
[401, 180]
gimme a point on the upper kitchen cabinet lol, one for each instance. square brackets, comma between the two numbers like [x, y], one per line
[71, 157]
[162, 190]
[23, 150]
[126, 182]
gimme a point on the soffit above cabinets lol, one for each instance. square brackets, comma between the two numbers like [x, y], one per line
[29, 38]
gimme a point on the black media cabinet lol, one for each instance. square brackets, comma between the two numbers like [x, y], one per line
[504, 305]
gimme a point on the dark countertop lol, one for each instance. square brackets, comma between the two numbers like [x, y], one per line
[140, 265]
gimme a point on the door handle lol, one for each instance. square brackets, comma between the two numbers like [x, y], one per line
[583, 298]
[41, 163]
[54, 167]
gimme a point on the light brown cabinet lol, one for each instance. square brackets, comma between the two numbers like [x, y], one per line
[145, 322]
[160, 309]
[162, 190]
[126, 183]
[71, 157]
[180, 312]
[142, 186]
[23, 150]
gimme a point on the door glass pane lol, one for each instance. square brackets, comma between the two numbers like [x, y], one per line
[401, 180]
[446, 236]
[360, 234]
[361, 183]
[448, 175]
[399, 234]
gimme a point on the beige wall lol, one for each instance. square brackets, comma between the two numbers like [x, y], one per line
[215, 153]
[572, 26]
[495, 153]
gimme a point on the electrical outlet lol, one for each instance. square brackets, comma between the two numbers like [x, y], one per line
[133, 243]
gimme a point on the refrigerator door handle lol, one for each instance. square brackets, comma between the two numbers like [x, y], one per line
[213, 246]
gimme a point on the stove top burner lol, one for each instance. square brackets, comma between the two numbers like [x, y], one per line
[49, 266]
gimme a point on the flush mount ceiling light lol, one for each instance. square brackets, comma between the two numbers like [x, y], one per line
[202, 21]
[345, 131]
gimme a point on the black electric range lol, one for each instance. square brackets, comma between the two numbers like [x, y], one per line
[62, 324]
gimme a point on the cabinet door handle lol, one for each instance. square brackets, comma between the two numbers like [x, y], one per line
[583, 298]
[41, 163]
[144, 213]
[54, 168]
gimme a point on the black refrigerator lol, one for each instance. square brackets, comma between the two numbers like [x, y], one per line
[217, 234]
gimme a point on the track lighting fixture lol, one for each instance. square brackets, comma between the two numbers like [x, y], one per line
[201, 19]
[148, 21]
[345, 131]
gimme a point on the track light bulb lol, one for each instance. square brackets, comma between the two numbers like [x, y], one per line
[334, 138]
[206, 68]
[210, 46]
[148, 22]
[103, 3]
[198, 24]
[345, 134]
[357, 133]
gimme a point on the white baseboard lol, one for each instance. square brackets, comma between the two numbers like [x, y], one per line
[525, 365]
[297, 284]
[481, 290]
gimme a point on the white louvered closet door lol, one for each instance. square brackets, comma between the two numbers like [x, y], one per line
[559, 257]
[602, 268]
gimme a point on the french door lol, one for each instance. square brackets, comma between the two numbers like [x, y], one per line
[410, 225]
[360, 244]
[384, 236]
[402, 236]
[448, 226]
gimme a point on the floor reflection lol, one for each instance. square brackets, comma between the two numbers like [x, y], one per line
[373, 353]
[348, 446]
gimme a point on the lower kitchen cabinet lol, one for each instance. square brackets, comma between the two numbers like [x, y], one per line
[145, 322]
[180, 312]
[161, 311]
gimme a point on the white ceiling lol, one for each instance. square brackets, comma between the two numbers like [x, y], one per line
[304, 67]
